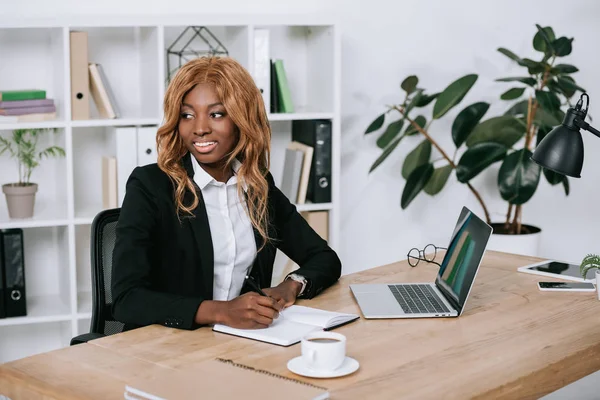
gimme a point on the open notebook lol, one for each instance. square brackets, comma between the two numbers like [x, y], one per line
[293, 323]
[209, 380]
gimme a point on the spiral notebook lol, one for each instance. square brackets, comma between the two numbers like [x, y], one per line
[211, 380]
[293, 323]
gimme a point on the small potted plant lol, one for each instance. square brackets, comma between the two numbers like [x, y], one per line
[591, 261]
[22, 146]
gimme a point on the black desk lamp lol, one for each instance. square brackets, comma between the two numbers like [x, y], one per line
[562, 149]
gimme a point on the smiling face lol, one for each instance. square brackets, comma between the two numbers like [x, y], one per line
[207, 130]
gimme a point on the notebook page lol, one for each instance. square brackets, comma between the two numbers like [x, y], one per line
[282, 331]
[314, 316]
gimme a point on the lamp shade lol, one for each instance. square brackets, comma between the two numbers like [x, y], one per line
[561, 151]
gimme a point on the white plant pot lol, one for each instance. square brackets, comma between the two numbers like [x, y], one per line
[598, 283]
[523, 244]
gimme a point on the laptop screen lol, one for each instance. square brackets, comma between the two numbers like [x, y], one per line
[461, 262]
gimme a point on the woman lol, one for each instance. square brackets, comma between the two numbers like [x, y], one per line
[208, 213]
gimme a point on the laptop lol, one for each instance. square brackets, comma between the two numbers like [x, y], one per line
[446, 297]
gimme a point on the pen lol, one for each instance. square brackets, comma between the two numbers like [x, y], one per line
[254, 286]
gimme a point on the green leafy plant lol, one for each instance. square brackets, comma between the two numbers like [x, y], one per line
[539, 98]
[419, 169]
[509, 139]
[591, 261]
[22, 146]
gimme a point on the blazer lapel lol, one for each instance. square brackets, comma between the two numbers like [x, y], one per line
[201, 231]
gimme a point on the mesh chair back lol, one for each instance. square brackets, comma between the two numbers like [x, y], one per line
[102, 244]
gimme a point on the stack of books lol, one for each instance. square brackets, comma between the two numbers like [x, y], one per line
[27, 105]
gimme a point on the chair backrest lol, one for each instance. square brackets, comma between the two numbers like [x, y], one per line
[103, 237]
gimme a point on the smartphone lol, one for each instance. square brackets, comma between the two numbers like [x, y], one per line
[567, 286]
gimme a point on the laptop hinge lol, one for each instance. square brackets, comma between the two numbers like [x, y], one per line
[448, 297]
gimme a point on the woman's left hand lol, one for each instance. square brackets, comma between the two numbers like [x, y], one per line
[285, 293]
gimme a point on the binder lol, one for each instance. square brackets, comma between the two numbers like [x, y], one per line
[2, 279]
[126, 139]
[146, 145]
[316, 134]
[262, 65]
[135, 147]
[14, 270]
[109, 183]
[80, 81]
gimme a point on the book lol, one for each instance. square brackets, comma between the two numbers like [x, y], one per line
[305, 172]
[292, 170]
[37, 117]
[274, 90]
[26, 103]
[293, 324]
[109, 92]
[28, 110]
[8, 119]
[100, 92]
[285, 97]
[212, 380]
[25, 94]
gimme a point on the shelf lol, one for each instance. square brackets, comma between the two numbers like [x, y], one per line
[133, 54]
[297, 116]
[114, 122]
[41, 309]
[32, 125]
[49, 218]
[314, 207]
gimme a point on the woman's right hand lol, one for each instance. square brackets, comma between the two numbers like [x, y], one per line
[249, 311]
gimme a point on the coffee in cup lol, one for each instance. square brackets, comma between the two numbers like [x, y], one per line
[323, 351]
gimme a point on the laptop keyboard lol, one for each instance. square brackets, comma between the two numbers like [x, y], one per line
[418, 299]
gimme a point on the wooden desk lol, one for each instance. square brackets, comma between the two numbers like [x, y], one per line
[512, 341]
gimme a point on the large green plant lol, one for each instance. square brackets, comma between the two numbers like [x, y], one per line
[507, 138]
[540, 96]
[418, 168]
[22, 146]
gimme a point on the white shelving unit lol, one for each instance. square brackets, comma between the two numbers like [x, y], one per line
[132, 51]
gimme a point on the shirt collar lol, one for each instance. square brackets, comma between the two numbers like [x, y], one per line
[203, 178]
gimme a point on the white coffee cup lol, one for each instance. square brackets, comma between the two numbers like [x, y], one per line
[323, 351]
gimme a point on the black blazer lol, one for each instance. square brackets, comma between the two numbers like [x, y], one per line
[163, 267]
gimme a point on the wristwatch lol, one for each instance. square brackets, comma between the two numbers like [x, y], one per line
[298, 278]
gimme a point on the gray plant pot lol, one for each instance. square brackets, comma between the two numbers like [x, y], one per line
[20, 199]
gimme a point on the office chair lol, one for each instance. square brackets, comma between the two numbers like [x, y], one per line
[102, 244]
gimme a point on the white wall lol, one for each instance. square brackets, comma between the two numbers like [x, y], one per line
[384, 41]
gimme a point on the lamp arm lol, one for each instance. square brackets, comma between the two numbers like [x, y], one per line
[584, 125]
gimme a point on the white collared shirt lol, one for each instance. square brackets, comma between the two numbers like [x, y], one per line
[232, 235]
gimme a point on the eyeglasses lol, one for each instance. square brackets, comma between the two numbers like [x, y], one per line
[428, 254]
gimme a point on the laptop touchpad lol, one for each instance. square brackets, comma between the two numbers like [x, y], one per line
[379, 303]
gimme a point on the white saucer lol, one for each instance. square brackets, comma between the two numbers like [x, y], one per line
[297, 366]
